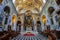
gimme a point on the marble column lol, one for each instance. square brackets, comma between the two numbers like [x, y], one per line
[15, 26]
[22, 29]
[35, 27]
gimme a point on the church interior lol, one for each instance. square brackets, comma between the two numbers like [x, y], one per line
[29, 19]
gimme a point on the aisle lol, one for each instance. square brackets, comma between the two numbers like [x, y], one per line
[37, 37]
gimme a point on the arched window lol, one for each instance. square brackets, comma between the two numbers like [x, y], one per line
[50, 10]
[44, 19]
[58, 2]
[58, 12]
[13, 18]
[7, 9]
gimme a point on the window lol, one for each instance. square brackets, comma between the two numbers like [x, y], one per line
[7, 9]
[58, 2]
[6, 20]
[50, 10]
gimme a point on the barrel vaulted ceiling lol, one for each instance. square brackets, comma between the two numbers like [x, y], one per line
[28, 4]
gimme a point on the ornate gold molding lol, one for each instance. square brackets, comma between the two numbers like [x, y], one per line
[28, 4]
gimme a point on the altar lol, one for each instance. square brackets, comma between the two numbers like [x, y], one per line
[28, 28]
[27, 23]
[29, 32]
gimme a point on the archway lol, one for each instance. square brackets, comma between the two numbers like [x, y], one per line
[58, 2]
[7, 10]
[44, 19]
[14, 19]
[50, 10]
[38, 24]
[18, 25]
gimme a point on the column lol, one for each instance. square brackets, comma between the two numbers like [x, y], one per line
[35, 27]
[22, 29]
[14, 26]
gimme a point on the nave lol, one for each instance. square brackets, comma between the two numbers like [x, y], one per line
[37, 37]
[29, 19]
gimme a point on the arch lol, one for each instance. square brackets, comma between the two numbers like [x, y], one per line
[14, 18]
[18, 22]
[44, 19]
[58, 12]
[28, 13]
[58, 2]
[51, 9]
[19, 25]
[7, 9]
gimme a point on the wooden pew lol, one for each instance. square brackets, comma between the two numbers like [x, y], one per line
[8, 35]
[4, 35]
[46, 32]
[52, 36]
[58, 34]
[13, 34]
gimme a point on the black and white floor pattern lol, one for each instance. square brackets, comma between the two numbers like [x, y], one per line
[37, 37]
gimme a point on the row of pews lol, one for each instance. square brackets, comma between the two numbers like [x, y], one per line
[51, 34]
[8, 35]
[47, 34]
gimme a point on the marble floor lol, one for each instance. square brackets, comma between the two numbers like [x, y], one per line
[36, 37]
